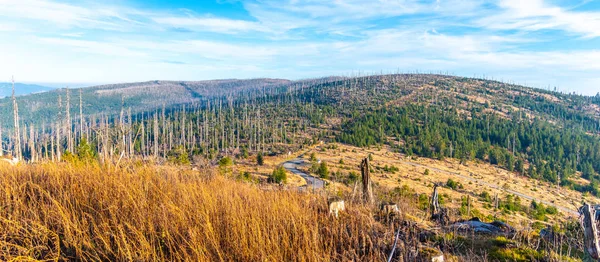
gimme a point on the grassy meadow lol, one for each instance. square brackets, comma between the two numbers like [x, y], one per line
[143, 211]
[60, 211]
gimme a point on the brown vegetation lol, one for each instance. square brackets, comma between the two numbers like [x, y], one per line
[144, 213]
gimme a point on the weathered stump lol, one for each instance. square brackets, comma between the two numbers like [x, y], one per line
[366, 181]
[588, 221]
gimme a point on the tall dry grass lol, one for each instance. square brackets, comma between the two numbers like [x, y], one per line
[156, 213]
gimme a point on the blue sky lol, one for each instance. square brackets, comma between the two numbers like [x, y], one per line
[540, 43]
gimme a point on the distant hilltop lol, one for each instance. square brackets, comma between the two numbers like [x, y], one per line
[21, 89]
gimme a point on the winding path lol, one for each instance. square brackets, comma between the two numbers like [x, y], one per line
[311, 181]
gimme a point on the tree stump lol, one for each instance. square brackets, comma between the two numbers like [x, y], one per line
[438, 213]
[589, 224]
[366, 181]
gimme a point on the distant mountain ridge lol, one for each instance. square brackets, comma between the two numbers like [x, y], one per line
[22, 89]
[363, 92]
[139, 96]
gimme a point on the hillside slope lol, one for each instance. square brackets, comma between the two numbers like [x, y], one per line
[139, 97]
[545, 135]
[487, 135]
[22, 89]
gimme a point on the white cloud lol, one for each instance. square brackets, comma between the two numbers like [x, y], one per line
[211, 24]
[8, 27]
[340, 9]
[92, 47]
[533, 15]
[66, 15]
[73, 35]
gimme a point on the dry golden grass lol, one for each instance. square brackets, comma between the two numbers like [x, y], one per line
[413, 177]
[157, 213]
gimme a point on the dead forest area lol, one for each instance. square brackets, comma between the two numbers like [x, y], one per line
[185, 179]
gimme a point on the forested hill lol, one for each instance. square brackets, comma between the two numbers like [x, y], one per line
[109, 99]
[360, 92]
[542, 134]
[21, 89]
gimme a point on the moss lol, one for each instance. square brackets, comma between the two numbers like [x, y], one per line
[515, 254]
[501, 241]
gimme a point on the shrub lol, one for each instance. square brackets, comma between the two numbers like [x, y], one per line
[260, 159]
[390, 169]
[323, 171]
[69, 157]
[225, 165]
[246, 176]
[279, 175]
[452, 184]
[423, 201]
[485, 196]
[551, 210]
[178, 156]
[85, 152]
[244, 153]
[352, 177]
[225, 162]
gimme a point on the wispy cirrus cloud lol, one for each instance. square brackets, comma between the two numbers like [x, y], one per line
[210, 24]
[534, 15]
[91, 47]
[64, 15]
[8, 27]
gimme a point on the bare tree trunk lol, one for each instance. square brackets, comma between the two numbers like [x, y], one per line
[143, 138]
[32, 151]
[155, 135]
[469, 205]
[182, 125]
[58, 146]
[81, 120]
[17, 145]
[52, 145]
[1, 142]
[121, 130]
[435, 205]
[366, 181]
[45, 142]
[590, 229]
[129, 133]
[68, 122]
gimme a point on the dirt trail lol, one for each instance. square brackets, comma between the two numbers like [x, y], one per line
[311, 181]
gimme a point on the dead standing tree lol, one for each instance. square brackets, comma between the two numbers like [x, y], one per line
[435, 205]
[17, 145]
[438, 213]
[589, 223]
[366, 181]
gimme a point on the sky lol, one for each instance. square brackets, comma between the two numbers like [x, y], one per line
[540, 43]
